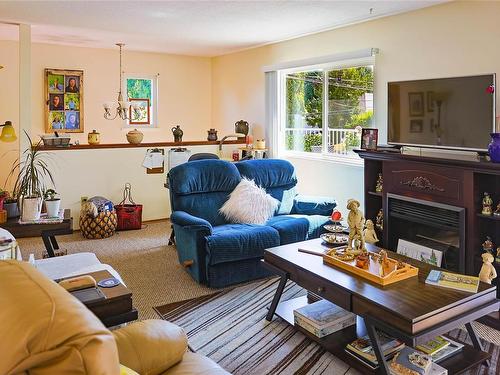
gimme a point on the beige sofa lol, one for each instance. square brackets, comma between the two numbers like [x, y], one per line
[45, 330]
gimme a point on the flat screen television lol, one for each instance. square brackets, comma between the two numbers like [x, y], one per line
[453, 113]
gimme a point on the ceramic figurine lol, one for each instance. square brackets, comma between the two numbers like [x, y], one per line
[487, 205]
[241, 127]
[488, 245]
[380, 183]
[212, 135]
[498, 255]
[178, 133]
[497, 211]
[356, 222]
[382, 259]
[380, 220]
[369, 233]
[488, 272]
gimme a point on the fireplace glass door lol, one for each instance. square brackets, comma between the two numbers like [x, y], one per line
[433, 225]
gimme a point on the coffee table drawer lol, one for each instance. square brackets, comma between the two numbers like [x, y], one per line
[324, 289]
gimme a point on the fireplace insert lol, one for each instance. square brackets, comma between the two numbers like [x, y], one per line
[435, 225]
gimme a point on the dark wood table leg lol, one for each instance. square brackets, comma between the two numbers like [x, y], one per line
[277, 297]
[279, 291]
[50, 242]
[372, 333]
[475, 340]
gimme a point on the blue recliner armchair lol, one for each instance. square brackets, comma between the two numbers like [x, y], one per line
[218, 253]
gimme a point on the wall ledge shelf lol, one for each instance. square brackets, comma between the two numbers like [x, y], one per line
[144, 145]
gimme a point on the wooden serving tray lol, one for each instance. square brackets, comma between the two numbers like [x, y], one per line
[372, 273]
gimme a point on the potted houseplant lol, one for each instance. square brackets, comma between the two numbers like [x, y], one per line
[52, 203]
[10, 205]
[33, 172]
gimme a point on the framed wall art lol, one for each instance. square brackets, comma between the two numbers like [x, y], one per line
[369, 139]
[64, 101]
[139, 112]
[416, 102]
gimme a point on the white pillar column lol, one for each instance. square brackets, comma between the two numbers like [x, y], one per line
[24, 85]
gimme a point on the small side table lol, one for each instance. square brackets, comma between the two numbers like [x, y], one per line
[117, 308]
[46, 231]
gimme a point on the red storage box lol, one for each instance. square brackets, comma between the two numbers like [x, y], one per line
[129, 214]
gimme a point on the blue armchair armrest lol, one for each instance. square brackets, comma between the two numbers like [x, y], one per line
[190, 240]
[184, 219]
[307, 205]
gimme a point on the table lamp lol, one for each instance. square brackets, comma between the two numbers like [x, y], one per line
[8, 132]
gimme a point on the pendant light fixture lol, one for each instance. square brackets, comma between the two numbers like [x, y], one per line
[122, 106]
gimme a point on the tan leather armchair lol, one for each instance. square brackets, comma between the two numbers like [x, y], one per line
[44, 330]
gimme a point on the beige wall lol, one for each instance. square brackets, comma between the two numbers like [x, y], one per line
[184, 91]
[453, 39]
[9, 104]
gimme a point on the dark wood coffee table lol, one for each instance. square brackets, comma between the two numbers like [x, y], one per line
[117, 308]
[409, 310]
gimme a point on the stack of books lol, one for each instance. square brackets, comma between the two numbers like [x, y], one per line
[362, 349]
[323, 318]
[453, 281]
[440, 348]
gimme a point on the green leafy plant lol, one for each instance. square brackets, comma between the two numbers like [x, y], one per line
[33, 172]
[50, 195]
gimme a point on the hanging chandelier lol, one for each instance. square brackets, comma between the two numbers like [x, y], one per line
[122, 106]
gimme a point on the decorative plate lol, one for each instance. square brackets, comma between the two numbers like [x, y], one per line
[335, 238]
[335, 228]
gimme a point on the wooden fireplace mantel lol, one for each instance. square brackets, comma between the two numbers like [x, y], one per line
[453, 182]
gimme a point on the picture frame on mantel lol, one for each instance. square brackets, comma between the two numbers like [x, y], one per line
[64, 112]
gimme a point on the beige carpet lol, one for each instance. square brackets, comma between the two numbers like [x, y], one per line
[150, 268]
[146, 263]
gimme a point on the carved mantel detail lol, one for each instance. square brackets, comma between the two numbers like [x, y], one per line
[423, 183]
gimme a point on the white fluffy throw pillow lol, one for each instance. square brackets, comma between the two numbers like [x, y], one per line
[249, 204]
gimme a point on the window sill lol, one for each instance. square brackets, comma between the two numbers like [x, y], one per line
[354, 161]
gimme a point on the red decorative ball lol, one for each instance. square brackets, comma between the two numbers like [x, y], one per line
[336, 215]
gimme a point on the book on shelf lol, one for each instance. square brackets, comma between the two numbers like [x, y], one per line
[453, 281]
[453, 348]
[435, 369]
[322, 318]
[362, 347]
[433, 346]
[409, 361]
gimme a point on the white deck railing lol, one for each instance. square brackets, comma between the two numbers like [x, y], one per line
[340, 141]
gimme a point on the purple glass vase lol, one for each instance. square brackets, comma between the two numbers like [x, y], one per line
[494, 147]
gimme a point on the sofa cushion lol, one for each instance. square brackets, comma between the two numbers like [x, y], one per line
[276, 176]
[291, 229]
[203, 176]
[307, 205]
[232, 242]
[316, 223]
[249, 204]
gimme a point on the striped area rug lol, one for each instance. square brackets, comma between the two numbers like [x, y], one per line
[230, 328]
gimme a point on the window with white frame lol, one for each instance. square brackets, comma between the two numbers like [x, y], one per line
[325, 107]
[141, 91]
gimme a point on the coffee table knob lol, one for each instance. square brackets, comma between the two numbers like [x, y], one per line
[321, 289]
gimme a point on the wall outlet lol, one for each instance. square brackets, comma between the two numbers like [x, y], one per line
[83, 199]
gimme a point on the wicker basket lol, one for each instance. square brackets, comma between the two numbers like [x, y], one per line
[102, 226]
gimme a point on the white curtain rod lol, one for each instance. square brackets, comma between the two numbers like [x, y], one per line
[367, 52]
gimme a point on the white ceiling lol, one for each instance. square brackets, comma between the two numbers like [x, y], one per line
[201, 28]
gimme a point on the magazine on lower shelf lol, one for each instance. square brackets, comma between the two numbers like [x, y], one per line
[322, 318]
[362, 347]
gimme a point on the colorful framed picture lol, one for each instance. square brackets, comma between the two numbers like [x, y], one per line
[416, 103]
[416, 126]
[369, 139]
[430, 101]
[139, 112]
[64, 101]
